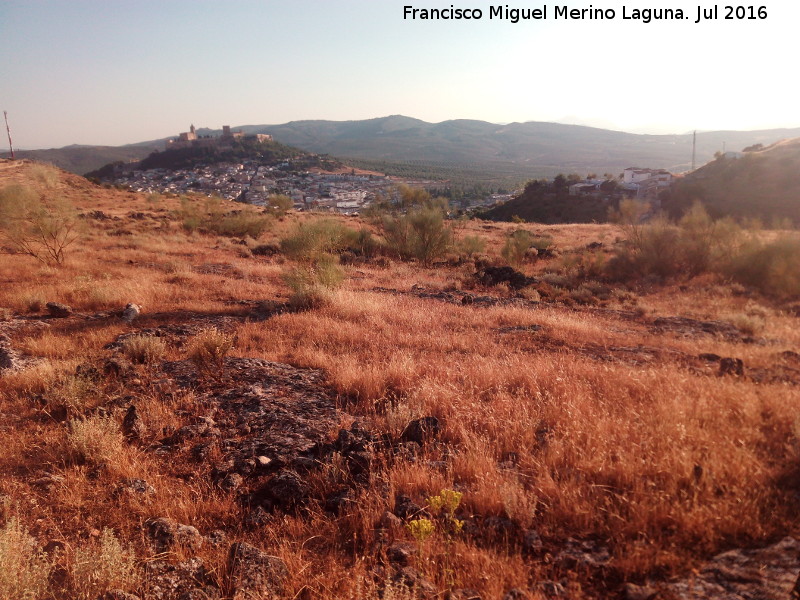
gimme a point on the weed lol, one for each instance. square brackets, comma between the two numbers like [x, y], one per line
[208, 350]
[96, 440]
[96, 570]
[144, 349]
[24, 569]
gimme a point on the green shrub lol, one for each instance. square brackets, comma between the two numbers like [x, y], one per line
[209, 215]
[471, 245]
[323, 236]
[421, 234]
[24, 569]
[311, 283]
[515, 247]
[40, 225]
[771, 267]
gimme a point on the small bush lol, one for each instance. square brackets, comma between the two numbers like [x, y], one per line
[310, 240]
[311, 284]
[97, 570]
[208, 349]
[24, 569]
[771, 267]
[421, 234]
[471, 245]
[40, 225]
[210, 215]
[144, 349]
[515, 247]
[96, 440]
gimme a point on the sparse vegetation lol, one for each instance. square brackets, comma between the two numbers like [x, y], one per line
[575, 407]
[144, 348]
[24, 568]
[101, 568]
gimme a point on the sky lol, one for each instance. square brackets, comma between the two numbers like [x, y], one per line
[113, 72]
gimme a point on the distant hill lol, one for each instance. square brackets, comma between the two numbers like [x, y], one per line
[82, 159]
[763, 184]
[465, 148]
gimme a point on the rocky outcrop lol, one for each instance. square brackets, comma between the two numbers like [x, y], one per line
[58, 310]
[254, 574]
[769, 573]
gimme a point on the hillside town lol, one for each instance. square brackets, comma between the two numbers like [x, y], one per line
[253, 183]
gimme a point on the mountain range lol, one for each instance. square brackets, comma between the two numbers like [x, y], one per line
[525, 150]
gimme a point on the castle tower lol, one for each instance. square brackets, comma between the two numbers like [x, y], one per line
[191, 129]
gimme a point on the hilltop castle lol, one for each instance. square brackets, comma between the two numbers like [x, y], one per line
[190, 139]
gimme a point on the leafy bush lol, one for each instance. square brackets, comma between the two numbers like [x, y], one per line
[421, 234]
[209, 215]
[771, 267]
[24, 569]
[471, 245]
[100, 569]
[323, 236]
[42, 226]
[517, 244]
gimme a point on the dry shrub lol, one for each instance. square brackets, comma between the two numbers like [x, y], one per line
[24, 569]
[144, 349]
[96, 440]
[208, 349]
[771, 267]
[106, 566]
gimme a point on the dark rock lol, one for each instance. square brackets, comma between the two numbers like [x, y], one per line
[117, 366]
[339, 501]
[254, 574]
[467, 299]
[390, 520]
[188, 580]
[490, 276]
[257, 517]
[552, 589]
[118, 595]
[164, 533]
[769, 573]
[531, 542]
[58, 310]
[731, 366]
[406, 508]
[412, 579]
[133, 427]
[286, 490]
[217, 538]
[516, 594]
[421, 430]
[582, 555]
[463, 594]
[135, 486]
[231, 481]
[710, 357]
[401, 553]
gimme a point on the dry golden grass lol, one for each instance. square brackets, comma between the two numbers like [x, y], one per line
[554, 430]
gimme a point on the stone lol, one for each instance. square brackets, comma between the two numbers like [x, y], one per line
[164, 533]
[287, 490]
[118, 595]
[401, 553]
[531, 542]
[188, 580]
[131, 312]
[731, 366]
[231, 481]
[9, 359]
[133, 427]
[412, 579]
[463, 594]
[421, 430]
[406, 508]
[58, 310]
[254, 574]
[769, 573]
[631, 591]
[516, 594]
[135, 486]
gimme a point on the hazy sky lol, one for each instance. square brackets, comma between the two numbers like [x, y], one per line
[123, 71]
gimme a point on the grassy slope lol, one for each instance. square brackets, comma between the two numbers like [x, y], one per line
[600, 447]
[760, 184]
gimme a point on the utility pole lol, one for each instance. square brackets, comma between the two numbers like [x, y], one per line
[694, 147]
[8, 130]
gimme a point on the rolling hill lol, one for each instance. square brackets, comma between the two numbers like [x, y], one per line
[763, 184]
[478, 149]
